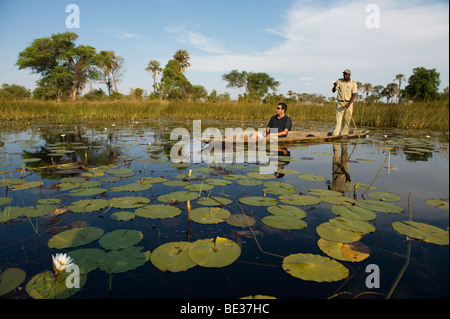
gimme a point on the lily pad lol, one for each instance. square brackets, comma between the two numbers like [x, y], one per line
[260, 176]
[353, 252]
[324, 192]
[88, 259]
[385, 196]
[123, 216]
[46, 285]
[172, 257]
[158, 211]
[332, 233]
[218, 182]
[303, 200]
[283, 222]
[10, 279]
[258, 201]
[5, 200]
[155, 180]
[11, 212]
[26, 185]
[75, 237]
[88, 205]
[278, 191]
[357, 226]
[379, 206]
[39, 210]
[353, 212]
[241, 220]
[287, 210]
[181, 196]
[312, 177]
[314, 268]
[338, 200]
[212, 253]
[120, 238]
[438, 202]
[421, 231]
[118, 261]
[199, 187]
[214, 201]
[88, 191]
[133, 187]
[249, 182]
[128, 201]
[209, 215]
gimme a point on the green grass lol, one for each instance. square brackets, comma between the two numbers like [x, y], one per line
[419, 115]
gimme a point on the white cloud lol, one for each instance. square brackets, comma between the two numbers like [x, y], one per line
[182, 35]
[320, 41]
[116, 32]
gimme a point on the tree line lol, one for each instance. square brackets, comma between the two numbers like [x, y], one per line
[68, 70]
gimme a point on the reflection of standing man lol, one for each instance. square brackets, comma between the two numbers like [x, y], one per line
[347, 90]
[340, 168]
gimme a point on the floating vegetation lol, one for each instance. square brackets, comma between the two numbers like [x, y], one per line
[212, 253]
[421, 231]
[75, 237]
[10, 279]
[173, 257]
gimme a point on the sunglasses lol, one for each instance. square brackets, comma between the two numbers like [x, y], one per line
[278, 108]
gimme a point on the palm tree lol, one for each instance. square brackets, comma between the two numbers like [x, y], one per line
[391, 90]
[182, 56]
[400, 77]
[367, 88]
[153, 67]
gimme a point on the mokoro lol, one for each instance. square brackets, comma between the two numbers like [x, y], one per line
[297, 137]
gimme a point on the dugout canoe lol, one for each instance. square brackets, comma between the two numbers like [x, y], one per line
[299, 137]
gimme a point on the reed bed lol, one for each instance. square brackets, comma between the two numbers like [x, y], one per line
[419, 115]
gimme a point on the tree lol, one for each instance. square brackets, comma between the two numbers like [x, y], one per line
[423, 84]
[154, 67]
[111, 66]
[14, 91]
[367, 88]
[256, 84]
[182, 56]
[390, 91]
[64, 68]
[400, 77]
[174, 85]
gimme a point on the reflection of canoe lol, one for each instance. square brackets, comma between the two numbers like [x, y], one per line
[299, 137]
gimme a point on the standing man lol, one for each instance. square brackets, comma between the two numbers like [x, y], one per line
[280, 121]
[347, 90]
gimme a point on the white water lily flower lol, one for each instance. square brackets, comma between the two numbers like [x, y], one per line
[61, 262]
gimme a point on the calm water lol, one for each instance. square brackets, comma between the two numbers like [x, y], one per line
[417, 165]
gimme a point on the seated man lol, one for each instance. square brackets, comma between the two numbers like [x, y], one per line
[280, 121]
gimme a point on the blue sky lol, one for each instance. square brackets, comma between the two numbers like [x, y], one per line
[303, 44]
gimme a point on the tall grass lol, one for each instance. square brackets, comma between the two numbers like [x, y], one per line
[420, 115]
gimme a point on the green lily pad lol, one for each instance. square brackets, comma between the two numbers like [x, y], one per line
[258, 201]
[120, 238]
[260, 176]
[26, 185]
[199, 187]
[49, 200]
[283, 222]
[11, 212]
[218, 182]
[438, 202]
[314, 268]
[80, 183]
[158, 211]
[10, 279]
[287, 210]
[209, 215]
[128, 201]
[5, 200]
[324, 192]
[312, 177]
[296, 199]
[88, 205]
[109, 179]
[421, 231]
[172, 257]
[241, 220]
[123, 216]
[176, 183]
[155, 180]
[75, 237]
[332, 233]
[249, 182]
[379, 206]
[88, 191]
[353, 252]
[121, 172]
[31, 160]
[39, 210]
[118, 261]
[354, 212]
[214, 254]
[385, 196]
[181, 196]
[88, 259]
[234, 177]
[214, 201]
[133, 187]
[46, 285]
[337, 200]
[357, 226]
[278, 191]
[277, 184]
